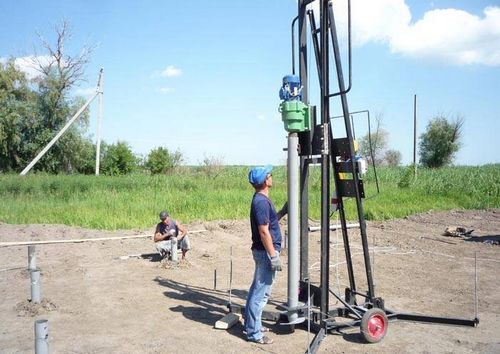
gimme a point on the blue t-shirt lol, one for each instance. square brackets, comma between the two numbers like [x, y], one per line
[262, 212]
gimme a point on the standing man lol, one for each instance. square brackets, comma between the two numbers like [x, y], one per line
[266, 246]
[167, 229]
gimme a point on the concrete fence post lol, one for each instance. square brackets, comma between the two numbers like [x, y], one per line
[41, 336]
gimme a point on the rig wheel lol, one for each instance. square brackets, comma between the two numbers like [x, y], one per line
[374, 325]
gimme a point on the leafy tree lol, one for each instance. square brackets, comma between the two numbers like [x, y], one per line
[440, 141]
[118, 159]
[379, 138]
[392, 157]
[17, 102]
[33, 111]
[58, 75]
[212, 165]
[160, 160]
[79, 153]
[378, 146]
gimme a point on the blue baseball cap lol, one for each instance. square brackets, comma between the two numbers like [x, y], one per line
[257, 175]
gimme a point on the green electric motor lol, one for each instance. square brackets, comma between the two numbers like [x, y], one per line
[295, 116]
[294, 112]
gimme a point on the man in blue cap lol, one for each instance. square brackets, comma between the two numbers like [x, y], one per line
[266, 246]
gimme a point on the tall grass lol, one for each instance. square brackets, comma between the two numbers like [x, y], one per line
[133, 201]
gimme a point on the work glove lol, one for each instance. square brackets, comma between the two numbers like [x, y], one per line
[276, 263]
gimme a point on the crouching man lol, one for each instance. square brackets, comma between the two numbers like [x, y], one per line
[165, 230]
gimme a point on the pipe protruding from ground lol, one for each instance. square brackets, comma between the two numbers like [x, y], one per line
[42, 337]
[173, 251]
[293, 226]
[36, 293]
[31, 258]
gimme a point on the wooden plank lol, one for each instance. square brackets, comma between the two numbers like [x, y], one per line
[228, 321]
[25, 243]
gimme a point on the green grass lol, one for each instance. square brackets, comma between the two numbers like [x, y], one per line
[133, 201]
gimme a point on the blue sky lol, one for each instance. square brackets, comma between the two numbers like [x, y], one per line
[203, 77]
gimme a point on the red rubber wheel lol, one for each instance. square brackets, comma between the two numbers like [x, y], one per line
[374, 325]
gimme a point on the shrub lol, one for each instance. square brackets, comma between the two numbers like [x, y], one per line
[118, 159]
[392, 158]
[440, 141]
[213, 165]
[160, 160]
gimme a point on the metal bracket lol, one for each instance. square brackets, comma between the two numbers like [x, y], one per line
[317, 140]
[347, 188]
[341, 147]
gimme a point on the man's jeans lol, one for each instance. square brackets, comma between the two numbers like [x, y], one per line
[258, 294]
[166, 246]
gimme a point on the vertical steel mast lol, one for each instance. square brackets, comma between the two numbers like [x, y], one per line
[304, 142]
[325, 162]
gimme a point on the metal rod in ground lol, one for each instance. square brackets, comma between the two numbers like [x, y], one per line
[173, 249]
[36, 293]
[41, 336]
[230, 274]
[475, 284]
[293, 226]
[31, 258]
[215, 279]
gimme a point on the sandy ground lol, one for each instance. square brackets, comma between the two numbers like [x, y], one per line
[98, 301]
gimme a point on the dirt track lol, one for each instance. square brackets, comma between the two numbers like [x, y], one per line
[98, 301]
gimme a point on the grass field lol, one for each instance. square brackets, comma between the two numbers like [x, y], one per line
[133, 201]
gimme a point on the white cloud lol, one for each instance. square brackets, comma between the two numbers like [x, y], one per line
[447, 35]
[29, 64]
[261, 117]
[171, 71]
[166, 90]
[453, 36]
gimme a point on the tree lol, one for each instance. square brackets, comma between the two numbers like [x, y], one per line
[440, 141]
[33, 111]
[17, 103]
[118, 159]
[212, 165]
[160, 160]
[59, 73]
[378, 139]
[392, 157]
[65, 70]
[378, 144]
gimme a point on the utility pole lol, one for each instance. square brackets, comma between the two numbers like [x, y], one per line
[68, 124]
[100, 92]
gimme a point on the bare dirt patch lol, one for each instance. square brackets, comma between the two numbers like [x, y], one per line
[116, 296]
[30, 309]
